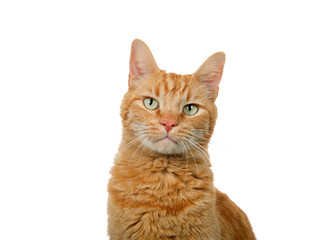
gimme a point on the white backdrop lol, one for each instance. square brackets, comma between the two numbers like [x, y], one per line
[63, 72]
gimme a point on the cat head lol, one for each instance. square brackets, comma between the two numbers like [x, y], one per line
[170, 113]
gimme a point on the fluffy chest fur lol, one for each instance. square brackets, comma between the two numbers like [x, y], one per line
[156, 197]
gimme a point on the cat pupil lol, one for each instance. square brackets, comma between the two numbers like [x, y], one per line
[151, 101]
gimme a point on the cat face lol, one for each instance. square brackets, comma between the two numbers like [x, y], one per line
[166, 112]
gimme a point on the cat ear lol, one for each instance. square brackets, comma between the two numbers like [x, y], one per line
[210, 73]
[142, 62]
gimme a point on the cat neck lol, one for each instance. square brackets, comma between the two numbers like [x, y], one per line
[152, 180]
[193, 163]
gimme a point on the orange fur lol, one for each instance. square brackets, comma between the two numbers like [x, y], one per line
[163, 189]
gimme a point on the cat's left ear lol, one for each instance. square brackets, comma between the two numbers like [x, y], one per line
[210, 73]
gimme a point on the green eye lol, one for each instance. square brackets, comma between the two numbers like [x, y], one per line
[190, 109]
[151, 103]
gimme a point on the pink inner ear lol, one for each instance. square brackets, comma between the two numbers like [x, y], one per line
[212, 80]
[210, 72]
[141, 61]
[135, 69]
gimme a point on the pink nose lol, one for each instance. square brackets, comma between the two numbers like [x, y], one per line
[168, 123]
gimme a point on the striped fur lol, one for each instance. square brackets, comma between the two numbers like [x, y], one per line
[163, 189]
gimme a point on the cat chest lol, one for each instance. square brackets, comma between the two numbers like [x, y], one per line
[162, 205]
[166, 224]
[169, 216]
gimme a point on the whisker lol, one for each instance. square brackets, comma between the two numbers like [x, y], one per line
[129, 145]
[129, 133]
[196, 136]
[194, 159]
[201, 154]
[201, 147]
[134, 132]
[212, 142]
[185, 153]
[202, 131]
[129, 162]
[143, 146]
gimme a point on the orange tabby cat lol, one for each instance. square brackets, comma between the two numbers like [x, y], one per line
[162, 185]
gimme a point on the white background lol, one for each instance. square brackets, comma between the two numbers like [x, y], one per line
[63, 72]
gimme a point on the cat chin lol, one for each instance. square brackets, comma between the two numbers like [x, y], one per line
[165, 146]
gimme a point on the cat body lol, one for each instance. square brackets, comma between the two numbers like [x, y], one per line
[162, 185]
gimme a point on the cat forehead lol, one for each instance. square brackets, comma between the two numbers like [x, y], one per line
[173, 85]
[170, 82]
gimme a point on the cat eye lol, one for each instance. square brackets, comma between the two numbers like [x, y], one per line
[151, 103]
[190, 109]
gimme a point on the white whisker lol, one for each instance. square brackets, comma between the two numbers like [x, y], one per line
[129, 145]
[129, 162]
[185, 153]
[214, 143]
[201, 154]
[194, 159]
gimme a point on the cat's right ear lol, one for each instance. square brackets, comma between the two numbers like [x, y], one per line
[142, 62]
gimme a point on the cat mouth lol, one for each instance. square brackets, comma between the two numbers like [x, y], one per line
[166, 140]
[165, 145]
